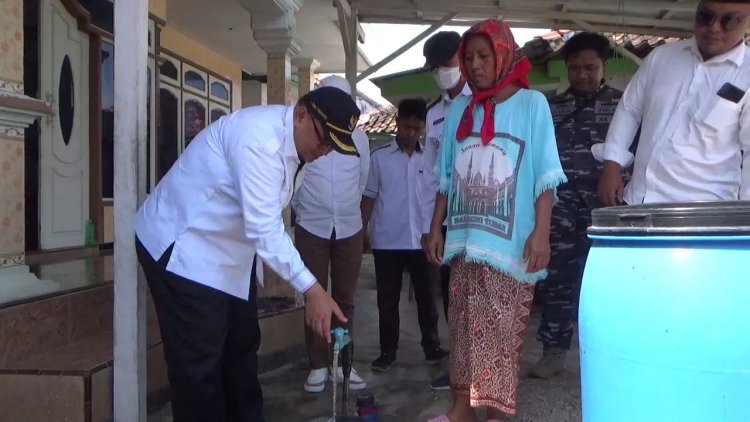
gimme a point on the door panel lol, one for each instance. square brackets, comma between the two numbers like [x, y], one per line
[64, 141]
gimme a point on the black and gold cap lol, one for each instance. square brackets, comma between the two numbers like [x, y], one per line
[339, 115]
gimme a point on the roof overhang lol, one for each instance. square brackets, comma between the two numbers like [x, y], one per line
[225, 27]
[654, 17]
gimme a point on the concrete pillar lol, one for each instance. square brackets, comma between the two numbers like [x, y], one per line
[17, 112]
[294, 95]
[279, 71]
[131, 58]
[306, 68]
[12, 201]
[16, 279]
[281, 45]
[12, 214]
[276, 35]
[12, 148]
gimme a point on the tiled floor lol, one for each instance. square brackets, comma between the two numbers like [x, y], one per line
[403, 393]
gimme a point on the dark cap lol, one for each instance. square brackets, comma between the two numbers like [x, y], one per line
[440, 48]
[339, 115]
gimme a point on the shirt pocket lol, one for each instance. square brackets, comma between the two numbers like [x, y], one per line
[717, 127]
[719, 117]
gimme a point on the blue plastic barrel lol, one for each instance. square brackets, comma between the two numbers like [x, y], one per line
[664, 317]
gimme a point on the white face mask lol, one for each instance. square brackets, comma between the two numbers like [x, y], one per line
[447, 77]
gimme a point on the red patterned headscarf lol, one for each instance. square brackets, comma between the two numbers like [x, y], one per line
[511, 67]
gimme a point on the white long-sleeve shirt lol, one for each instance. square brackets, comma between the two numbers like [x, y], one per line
[395, 223]
[221, 202]
[331, 191]
[692, 140]
[427, 183]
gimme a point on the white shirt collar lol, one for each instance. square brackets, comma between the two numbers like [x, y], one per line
[465, 92]
[736, 55]
[395, 147]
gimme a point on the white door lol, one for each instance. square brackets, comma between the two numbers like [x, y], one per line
[64, 141]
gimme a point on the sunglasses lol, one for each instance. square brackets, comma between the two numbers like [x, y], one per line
[728, 22]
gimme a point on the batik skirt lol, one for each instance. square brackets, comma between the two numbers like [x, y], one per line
[488, 316]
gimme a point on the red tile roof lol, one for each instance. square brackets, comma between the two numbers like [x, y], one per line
[549, 46]
[382, 122]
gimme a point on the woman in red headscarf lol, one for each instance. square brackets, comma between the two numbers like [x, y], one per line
[498, 170]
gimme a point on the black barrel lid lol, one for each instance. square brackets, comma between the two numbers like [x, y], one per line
[675, 219]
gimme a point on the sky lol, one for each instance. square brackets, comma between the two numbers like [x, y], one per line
[383, 39]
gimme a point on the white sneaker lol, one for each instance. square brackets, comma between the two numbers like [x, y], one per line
[355, 381]
[316, 381]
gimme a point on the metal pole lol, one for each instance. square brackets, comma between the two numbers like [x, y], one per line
[131, 56]
[401, 50]
[351, 58]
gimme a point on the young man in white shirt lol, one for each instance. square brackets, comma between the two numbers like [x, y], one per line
[691, 99]
[391, 199]
[328, 230]
[441, 55]
[200, 232]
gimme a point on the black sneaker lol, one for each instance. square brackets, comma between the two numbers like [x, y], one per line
[436, 356]
[383, 362]
[441, 383]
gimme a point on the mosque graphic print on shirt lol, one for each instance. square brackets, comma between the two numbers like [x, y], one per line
[484, 185]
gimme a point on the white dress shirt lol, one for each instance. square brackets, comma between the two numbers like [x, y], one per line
[692, 139]
[427, 183]
[331, 191]
[395, 223]
[221, 202]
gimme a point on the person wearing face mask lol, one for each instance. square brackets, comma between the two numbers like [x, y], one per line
[581, 116]
[691, 98]
[441, 55]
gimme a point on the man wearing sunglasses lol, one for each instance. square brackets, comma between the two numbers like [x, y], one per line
[210, 224]
[691, 99]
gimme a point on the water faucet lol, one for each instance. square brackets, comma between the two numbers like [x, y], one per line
[341, 338]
